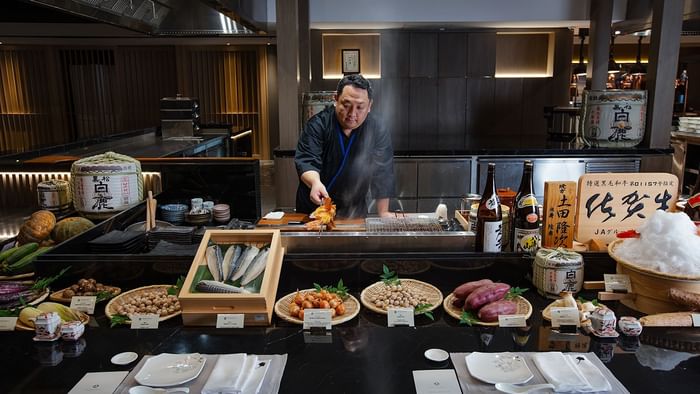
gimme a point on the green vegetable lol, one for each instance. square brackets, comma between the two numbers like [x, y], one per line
[422, 309]
[468, 318]
[515, 292]
[26, 260]
[117, 320]
[389, 277]
[583, 301]
[8, 252]
[21, 252]
[43, 283]
[340, 289]
[175, 290]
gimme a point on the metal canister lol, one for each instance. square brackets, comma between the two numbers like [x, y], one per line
[54, 195]
[557, 270]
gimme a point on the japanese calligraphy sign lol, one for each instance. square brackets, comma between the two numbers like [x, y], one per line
[611, 203]
[106, 188]
[559, 213]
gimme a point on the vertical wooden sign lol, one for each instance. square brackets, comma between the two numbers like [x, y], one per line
[559, 213]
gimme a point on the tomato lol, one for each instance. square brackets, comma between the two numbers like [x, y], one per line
[628, 234]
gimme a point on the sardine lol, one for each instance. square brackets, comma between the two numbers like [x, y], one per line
[219, 263]
[247, 258]
[212, 262]
[226, 263]
[235, 261]
[256, 267]
[212, 286]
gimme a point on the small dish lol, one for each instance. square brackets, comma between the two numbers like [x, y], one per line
[167, 369]
[437, 355]
[498, 368]
[124, 358]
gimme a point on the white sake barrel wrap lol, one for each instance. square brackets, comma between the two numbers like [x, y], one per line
[54, 195]
[614, 118]
[106, 184]
[557, 270]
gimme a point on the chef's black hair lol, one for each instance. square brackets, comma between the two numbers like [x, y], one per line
[356, 80]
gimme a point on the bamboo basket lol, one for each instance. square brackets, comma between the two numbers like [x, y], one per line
[650, 288]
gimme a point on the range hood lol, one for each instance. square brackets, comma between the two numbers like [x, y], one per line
[172, 17]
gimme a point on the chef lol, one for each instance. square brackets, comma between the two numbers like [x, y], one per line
[344, 152]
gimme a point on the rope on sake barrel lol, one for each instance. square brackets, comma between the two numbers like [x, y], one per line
[109, 164]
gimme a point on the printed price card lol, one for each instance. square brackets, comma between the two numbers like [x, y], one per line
[8, 323]
[400, 317]
[144, 321]
[696, 319]
[511, 321]
[565, 317]
[230, 320]
[83, 303]
[617, 283]
[317, 318]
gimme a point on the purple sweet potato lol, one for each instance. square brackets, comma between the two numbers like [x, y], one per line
[485, 295]
[463, 290]
[490, 312]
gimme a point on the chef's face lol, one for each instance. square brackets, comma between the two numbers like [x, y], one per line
[352, 107]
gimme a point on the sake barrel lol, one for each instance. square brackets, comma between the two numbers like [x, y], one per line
[557, 270]
[614, 118]
[54, 195]
[106, 184]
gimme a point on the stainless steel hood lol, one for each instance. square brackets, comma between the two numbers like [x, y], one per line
[170, 17]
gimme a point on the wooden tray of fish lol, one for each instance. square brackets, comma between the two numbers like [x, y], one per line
[234, 271]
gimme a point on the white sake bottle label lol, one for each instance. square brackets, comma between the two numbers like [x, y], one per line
[493, 236]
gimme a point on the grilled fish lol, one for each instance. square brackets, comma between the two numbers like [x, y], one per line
[256, 267]
[212, 286]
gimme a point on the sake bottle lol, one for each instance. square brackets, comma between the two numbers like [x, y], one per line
[525, 235]
[489, 219]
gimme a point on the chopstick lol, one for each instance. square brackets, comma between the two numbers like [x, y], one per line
[151, 216]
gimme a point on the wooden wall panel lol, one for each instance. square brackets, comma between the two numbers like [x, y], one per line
[452, 111]
[481, 54]
[422, 114]
[391, 105]
[423, 55]
[452, 55]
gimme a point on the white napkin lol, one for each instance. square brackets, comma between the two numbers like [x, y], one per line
[560, 371]
[255, 378]
[226, 374]
[274, 215]
[595, 378]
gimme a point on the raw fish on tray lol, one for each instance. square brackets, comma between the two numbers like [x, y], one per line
[212, 286]
[248, 257]
[256, 267]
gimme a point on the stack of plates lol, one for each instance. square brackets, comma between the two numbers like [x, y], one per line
[165, 248]
[222, 213]
[198, 219]
[176, 234]
[173, 213]
[118, 242]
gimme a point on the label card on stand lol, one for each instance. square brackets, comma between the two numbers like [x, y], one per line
[559, 214]
[144, 321]
[565, 317]
[400, 317]
[511, 321]
[317, 318]
[230, 320]
[696, 319]
[617, 283]
[318, 337]
[8, 323]
[83, 303]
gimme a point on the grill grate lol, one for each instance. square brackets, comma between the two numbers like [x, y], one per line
[402, 224]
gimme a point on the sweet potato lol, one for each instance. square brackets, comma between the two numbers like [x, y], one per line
[458, 302]
[463, 290]
[672, 319]
[685, 298]
[486, 294]
[490, 312]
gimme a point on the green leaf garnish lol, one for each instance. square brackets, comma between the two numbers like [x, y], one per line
[43, 283]
[389, 277]
[468, 318]
[515, 292]
[422, 309]
[117, 320]
[103, 295]
[175, 290]
[9, 312]
[339, 289]
[583, 301]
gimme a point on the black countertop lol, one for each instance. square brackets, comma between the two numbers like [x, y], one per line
[363, 356]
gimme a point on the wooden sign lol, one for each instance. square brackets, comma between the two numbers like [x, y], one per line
[615, 202]
[559, 213]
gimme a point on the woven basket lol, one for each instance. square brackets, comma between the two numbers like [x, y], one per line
[431, 292]
[651, 287]
[524, 308]
[111, 308]
[352, 308]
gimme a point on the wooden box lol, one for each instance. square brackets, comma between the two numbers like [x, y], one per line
[201, 309]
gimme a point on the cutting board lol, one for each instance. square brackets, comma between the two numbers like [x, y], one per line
[283, 224]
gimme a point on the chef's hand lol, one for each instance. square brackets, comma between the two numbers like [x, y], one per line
[312, 179]
[383, 208]
[318, 193]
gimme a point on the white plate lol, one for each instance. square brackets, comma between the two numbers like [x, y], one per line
[124, 358]
[498, 367]
[437, 355]
[168, 369]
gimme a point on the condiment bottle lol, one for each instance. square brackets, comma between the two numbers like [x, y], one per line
[692, 206]
[525, 236]
[489, 219]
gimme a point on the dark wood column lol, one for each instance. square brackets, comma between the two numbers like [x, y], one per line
[599, 46]
[288, 71]
[666, 24]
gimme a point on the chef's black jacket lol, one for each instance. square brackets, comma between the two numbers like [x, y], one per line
[368, 163]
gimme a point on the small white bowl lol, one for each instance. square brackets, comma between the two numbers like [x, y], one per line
[437, 355]
[124, 358]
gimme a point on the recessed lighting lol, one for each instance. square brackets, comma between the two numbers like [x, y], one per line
[0, 42]
[228, 43]
[617, 32]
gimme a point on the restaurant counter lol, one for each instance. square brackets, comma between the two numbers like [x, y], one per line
[363, 355]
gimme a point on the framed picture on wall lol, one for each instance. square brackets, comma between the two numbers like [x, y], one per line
[350, 61]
